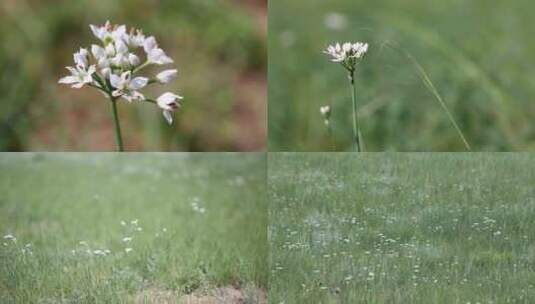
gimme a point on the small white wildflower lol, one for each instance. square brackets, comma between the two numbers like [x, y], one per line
[164, 229]
[134, 222]
[127, 87]
[127, 239]
[154, 53]
[167, 76]
[127, 250]
[79, 77]
[123, 223]
[139, 229]
[169, 102]
[347, 54]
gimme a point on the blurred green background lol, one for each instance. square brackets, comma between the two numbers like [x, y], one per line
[480, 55]
[218, 46]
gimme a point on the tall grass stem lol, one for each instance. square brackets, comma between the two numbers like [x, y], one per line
[356, 132]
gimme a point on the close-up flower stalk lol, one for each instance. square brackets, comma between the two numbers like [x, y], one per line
[114, 68]
[348, 56]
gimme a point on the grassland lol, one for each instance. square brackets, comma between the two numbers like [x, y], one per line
[410, 228]
[478, 56]
[196, 223]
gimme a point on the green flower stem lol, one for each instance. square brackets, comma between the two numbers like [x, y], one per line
[118, 136]
[140, 67]
[357, 143]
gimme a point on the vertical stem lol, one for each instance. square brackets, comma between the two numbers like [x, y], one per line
[356, 131]
[331, 137]
[118, 136]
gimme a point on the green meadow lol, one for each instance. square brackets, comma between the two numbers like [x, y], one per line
[137, 228]
[478, 57]
[409, 228]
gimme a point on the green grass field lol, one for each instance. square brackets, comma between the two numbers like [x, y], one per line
[478, 56]
[402, 228]
[197, 225]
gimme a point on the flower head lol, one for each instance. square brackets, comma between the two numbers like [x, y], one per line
[347, 53]
[114, 65]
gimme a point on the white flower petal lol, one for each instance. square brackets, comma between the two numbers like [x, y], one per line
[98, 52]
[121, 47]
[167, 75]
[138, 83]
[68, 79]
[149, 44]
[158, 56]
[168, 116]
[115, 81]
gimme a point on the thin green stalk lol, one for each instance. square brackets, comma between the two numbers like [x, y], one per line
[118, 136]
[356, 132]
[429, 84]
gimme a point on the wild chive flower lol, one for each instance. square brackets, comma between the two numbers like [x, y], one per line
[348, 55]
[114, 68]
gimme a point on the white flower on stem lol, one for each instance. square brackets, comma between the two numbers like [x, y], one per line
[154, 53]
[325, 110]
[127, 239]
[79, 76]
[167, 76]
[127, 87]
[114, 67]
[347, 54]
[127, 250]
[169, 102]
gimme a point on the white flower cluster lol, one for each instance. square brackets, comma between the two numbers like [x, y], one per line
[113, 67]
[347, 54]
